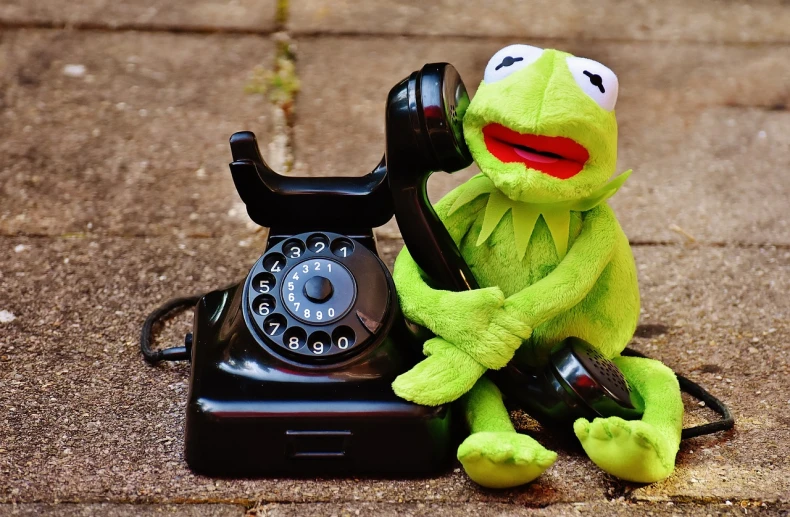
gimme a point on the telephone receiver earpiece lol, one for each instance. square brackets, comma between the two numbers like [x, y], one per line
[425, 134]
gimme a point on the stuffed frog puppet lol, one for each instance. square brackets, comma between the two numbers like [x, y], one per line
[552, 262]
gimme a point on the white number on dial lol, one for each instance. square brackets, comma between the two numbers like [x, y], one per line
[318, 347]
[342, 343]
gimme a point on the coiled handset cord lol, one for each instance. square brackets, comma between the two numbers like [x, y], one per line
[183, 353]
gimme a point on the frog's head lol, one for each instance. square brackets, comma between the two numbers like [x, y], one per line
[542, 126]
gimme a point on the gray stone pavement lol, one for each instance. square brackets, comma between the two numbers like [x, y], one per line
[115, 195]
[136, 142]
[198, 15]
[123, 510]
[702, 20]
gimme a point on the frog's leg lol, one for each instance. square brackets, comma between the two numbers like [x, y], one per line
[639, 450]
[495, 455]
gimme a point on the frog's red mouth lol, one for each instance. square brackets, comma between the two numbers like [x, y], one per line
[556, 156]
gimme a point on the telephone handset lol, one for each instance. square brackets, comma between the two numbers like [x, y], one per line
[424, 135]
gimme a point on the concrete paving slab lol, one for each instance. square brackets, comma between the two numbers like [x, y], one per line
[122, 510]
[201, 15]
[124, 133]
[720, 317]
[703, 126]
[88, 421]
[673, 20]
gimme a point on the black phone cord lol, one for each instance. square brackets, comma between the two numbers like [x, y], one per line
[177, 353]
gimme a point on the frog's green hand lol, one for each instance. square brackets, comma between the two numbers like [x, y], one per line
[446, 375]
[475, 334]
[473, 320]
[639, 450]
[574, 276]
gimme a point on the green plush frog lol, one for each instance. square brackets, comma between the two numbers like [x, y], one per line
[552, 262]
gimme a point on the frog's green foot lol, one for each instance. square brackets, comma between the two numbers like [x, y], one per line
[632, 450]
[503, 459]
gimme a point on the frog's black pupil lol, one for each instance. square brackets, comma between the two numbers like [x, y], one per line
[596, 80]
[508, 61]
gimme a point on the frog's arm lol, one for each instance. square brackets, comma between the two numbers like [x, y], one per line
[575, 275]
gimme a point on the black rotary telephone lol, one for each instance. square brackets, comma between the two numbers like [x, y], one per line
[292, 368]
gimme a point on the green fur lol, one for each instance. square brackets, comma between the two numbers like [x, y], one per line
[534, 294]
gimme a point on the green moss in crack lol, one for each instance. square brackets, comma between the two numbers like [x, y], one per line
[279, 85]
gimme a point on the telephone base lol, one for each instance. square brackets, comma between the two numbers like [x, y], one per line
[251, 412]
[378, 437]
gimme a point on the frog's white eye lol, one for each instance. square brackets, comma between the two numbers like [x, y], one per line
[596, 80]
[509, 60]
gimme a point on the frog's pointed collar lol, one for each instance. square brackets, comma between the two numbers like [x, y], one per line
[556, 215]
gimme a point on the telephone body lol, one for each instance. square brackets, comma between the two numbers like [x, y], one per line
[292, 368]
